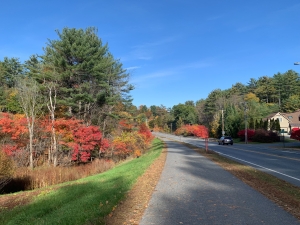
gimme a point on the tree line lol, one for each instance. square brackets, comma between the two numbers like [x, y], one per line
[74, 96]
[242, 103]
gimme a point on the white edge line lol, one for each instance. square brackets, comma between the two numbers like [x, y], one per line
[259, 166]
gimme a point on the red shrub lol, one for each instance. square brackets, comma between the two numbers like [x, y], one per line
[146, 133]
[250, 134]
[295, 134]
[261, 135]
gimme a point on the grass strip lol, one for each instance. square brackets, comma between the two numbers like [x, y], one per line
[85, 201]
[279, 191]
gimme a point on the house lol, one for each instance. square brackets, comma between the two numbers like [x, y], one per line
[294, 119]
[283, 121]
[287, 121]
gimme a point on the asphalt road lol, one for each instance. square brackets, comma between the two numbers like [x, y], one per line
[194, 190]
[275, 159]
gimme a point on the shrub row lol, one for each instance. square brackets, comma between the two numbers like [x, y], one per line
[259, 135]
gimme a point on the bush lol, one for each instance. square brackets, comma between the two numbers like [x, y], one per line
[295, 134]
[250, 134]
[261, 135]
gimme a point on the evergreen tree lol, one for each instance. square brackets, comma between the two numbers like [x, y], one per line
[265, 124]
[88, 75]
[251, 123]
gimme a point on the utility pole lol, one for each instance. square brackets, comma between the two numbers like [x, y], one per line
[246, 133]
[223, 132]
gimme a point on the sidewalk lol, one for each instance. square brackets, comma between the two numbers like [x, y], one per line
[194, 190]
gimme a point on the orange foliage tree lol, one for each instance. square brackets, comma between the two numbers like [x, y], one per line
[193, 130]
[131, 143]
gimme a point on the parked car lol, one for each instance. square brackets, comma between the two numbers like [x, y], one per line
[225, 140]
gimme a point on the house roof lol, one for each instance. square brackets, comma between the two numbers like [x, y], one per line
[270, 116]
[294, 118]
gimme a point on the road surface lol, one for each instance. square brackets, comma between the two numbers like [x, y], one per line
[194, 190]
[274, 159]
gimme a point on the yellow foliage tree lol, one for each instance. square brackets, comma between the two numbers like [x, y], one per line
[251, 97]
[214, 125]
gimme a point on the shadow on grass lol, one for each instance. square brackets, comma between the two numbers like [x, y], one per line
[86, 201]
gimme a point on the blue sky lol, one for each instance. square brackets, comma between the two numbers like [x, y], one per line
[175, 50]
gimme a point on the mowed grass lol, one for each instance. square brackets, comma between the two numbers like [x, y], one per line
[85, 201]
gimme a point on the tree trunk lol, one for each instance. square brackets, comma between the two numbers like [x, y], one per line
[30, 129]
[51, 107]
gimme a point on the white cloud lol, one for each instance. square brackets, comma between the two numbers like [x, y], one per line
[132, 68]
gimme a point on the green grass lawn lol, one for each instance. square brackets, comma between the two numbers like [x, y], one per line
[85, 201]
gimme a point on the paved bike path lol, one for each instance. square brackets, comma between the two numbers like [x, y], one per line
[194, 190]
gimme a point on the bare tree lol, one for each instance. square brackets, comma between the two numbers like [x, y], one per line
[51, 104]
[28, 96]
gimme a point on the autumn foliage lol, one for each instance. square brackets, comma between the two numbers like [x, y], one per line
[259, 135]
[193, 130]
[250, 134]
[75, 140]
[132, 143]
[13, 132]
[295, 134]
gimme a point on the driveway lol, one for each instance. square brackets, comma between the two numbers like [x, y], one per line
[194, 190]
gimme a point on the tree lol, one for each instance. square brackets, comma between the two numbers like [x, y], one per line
[186, 112]
[88, 75]
[28, 95]
[86, 140]
[234, 119]
[265, 90]
[291, 104]
[238, 89]
[10, 69]
[252, 85]
[251, 97]
[51, 105]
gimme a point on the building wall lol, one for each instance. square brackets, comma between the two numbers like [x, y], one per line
[284, 123]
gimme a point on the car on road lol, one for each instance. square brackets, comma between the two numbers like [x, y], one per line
[225, 140]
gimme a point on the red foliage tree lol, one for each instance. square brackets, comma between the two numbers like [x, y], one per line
[125, 125]
[250, 134]
[145, 132]
[295, 134]
[81, 140]
[120, 148]
[14, 129]
[86, 139]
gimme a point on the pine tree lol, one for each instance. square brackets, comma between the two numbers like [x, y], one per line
[88, 75]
